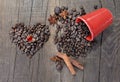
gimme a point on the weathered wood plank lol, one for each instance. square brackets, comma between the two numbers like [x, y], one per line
[15, 67]
[46, 67]
[92, 60]
[117, 7]
[91, 71]
[36, 16]
[110, 5]
[8, 16]
[43, 70]
[22, 65]
[65, 74]
[109, 68]
[49, 50]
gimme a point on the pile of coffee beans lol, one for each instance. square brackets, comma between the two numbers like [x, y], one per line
[70, 36]
[39, 32]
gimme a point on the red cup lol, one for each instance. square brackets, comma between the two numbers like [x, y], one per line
[96, 21]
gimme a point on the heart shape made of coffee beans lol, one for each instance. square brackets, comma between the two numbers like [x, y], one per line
[29, 39]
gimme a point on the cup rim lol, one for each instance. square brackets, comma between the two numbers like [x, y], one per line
[89, 37]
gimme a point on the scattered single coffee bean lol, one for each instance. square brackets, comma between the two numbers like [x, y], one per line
[59, 66]
[95, 7]
[57, 10]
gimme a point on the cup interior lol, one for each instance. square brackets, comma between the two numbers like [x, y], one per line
[90, 36]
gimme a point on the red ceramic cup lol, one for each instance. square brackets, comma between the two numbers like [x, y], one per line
[97, 21]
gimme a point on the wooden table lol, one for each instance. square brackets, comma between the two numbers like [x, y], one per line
[101, 65]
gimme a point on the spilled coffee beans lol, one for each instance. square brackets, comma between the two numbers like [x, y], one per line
[70, 36]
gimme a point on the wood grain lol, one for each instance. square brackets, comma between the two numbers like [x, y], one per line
[8, 16]
[101, 65]
[91, 71]
[37, 15]
[49, 69]
[22, 71]
[65, 74]
[43, 70]
[117, 7]
[109, 64]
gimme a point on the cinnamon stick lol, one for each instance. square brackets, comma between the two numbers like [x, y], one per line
[55, 59]
[67, 61]
[77, 64]
[73, 61]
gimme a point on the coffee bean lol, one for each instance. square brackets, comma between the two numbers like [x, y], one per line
[73, 18]
[78, 13]
[83, 12]
[74, 14]
[66, 8]
[74, 9]
[59, 66]
[95, 7]
[57, 10]
[63, 8]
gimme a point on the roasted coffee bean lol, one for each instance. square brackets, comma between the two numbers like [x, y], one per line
[63, 8]
[57, 10]
[70, 12]
[70, 17]
[75, 14]
[66, 8]
[59, 66]
[76, 24]
[59, 49]
[83, 12]
[95, 7]
[78, 13]
[73, 18]
[74, 9]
